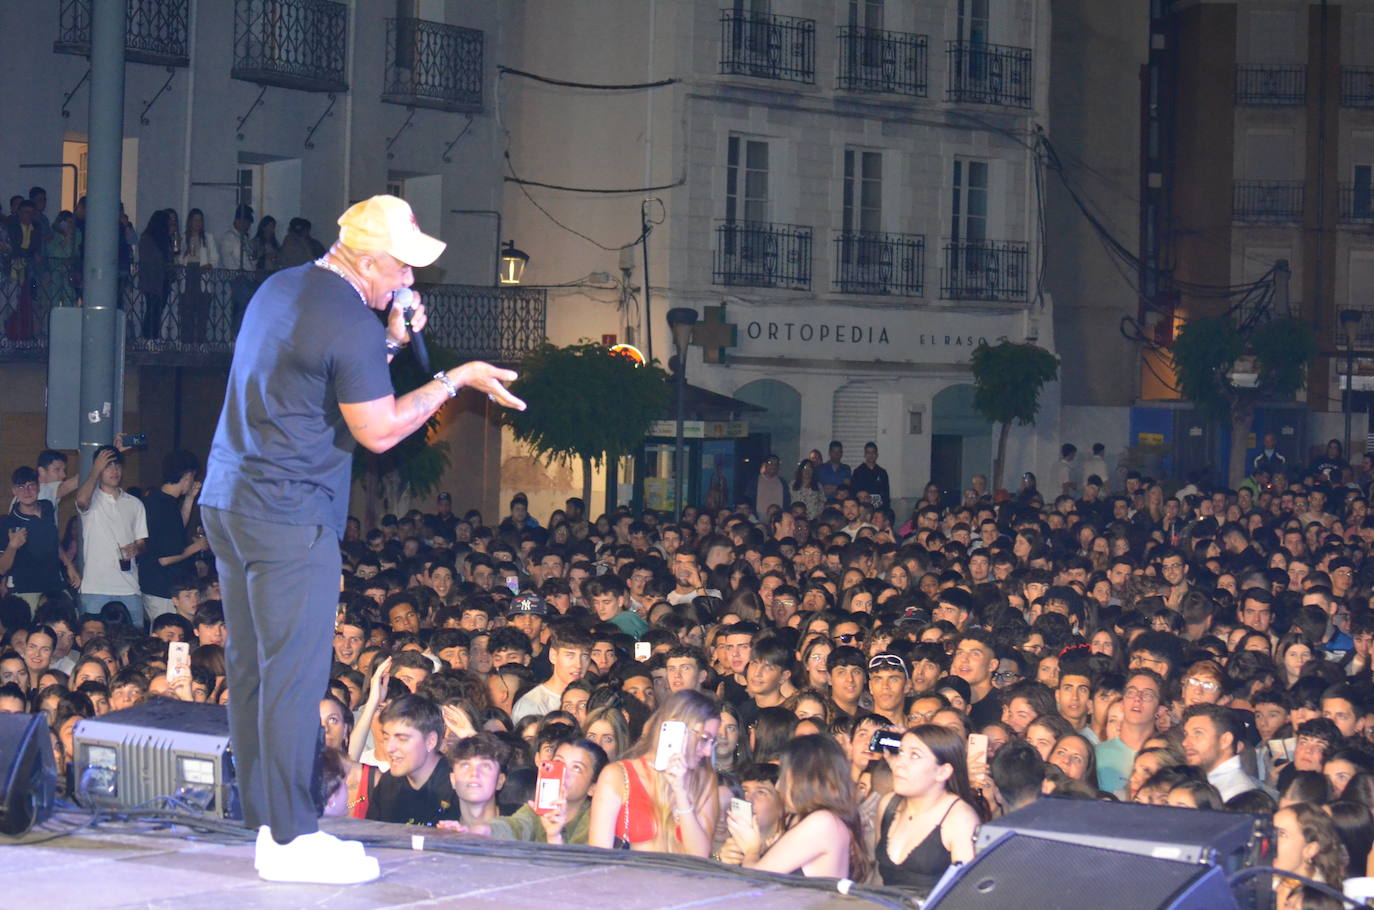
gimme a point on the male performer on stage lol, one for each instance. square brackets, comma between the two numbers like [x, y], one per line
[309, 378]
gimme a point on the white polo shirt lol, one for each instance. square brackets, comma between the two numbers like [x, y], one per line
[111, 522]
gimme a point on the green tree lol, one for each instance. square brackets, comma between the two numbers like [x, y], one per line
[1228, 371]
[586, 403]
[1008, 379]
[413, 467]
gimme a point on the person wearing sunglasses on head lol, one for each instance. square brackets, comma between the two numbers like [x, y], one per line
[889, 683]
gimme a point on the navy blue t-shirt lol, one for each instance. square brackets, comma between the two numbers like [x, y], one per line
[282, 451]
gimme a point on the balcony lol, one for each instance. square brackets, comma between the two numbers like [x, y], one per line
[768, 47]
[882, 62]
[1357, 203]
[300, 44]
[985, 270]
[430, 64]
[870, 263]
[155, 31]
[1357, 86]
[203, 307]
[982, 73]
[1263, 85]
[1267, 201]
[761, 255]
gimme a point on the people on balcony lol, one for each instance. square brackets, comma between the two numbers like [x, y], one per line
[199, 252]
[62, 277]
[154, 261]
[299, 247]
[236, 247]
[26, 253]
[267, 245]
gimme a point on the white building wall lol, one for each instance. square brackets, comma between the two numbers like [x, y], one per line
[657, 137]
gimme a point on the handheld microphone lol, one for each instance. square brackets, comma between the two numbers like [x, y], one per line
[405, 299]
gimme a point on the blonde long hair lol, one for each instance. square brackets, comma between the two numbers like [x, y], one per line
[693, 709]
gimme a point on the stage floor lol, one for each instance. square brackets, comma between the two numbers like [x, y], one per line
[98, 869]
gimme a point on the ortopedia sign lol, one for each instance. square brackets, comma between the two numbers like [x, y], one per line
[851, 333]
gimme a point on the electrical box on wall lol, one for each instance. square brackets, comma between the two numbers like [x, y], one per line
[916, 423]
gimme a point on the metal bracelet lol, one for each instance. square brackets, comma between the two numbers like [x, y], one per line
[442, 378]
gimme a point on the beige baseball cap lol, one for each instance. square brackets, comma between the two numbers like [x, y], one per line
[386, 224]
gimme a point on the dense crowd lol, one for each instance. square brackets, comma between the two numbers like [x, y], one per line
[803, 682]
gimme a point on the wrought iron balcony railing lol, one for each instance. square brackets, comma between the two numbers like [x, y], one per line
[754, 254]
[1357, 86]
[985, 270]
[300, 44]
[198, 316]
[1266, 85]
[872, 60]
[430, 64]
[1357, 203]
[1267, 200]
[981, 73]
[768, 47]
[870, 263]
[155, 31]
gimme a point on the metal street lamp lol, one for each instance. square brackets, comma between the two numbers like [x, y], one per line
[1350, 321]
[513, 263]
[680, 321]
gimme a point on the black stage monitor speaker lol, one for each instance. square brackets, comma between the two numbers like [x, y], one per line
[1028, 872]
[28, 776]
[1105, 847]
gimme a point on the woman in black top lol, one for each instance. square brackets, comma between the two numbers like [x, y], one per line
[928, 820]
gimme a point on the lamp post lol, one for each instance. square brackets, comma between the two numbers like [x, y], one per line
[1350, 321]
[680, 322]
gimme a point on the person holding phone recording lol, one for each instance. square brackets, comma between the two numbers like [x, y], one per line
[668, 809]
[821, 831]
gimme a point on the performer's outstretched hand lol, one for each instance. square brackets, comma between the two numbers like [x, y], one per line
[490, 379]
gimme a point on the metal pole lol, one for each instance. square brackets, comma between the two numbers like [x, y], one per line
[648, 310]
[1349, 387]
[681, 453]
[100, 360]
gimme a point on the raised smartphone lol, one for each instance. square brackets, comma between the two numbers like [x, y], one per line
[977, 749]
[672, 738]
[178, 661]
[548, 787]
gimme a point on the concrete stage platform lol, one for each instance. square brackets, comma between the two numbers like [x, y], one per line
[180, 870]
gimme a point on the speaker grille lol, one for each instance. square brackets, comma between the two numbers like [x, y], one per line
[1031, 873]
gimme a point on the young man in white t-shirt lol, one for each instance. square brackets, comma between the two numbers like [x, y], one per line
[570, 653]
[114, 531]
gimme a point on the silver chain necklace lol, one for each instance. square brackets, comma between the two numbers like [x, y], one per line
[325, 264]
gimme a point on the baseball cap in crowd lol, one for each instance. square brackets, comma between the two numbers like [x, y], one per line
[956, 684]
[528, 603]
[386, 224]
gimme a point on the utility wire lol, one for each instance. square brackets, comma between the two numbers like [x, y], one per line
[594, 86]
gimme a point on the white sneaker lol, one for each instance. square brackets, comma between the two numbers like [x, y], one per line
[318, 858]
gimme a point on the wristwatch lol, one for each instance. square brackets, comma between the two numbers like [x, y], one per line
[393, 348]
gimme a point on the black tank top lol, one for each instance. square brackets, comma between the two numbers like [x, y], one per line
[926, 862]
